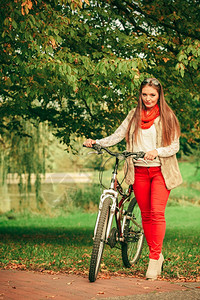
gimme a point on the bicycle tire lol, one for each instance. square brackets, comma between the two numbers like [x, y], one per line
[134, 236]
[99, 241]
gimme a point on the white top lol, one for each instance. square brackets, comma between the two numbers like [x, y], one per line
[146, 142]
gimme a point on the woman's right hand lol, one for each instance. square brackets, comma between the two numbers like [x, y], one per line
[89, 143]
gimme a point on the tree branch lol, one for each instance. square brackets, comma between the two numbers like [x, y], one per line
[89, 110]
[121, 7]
[196, 34]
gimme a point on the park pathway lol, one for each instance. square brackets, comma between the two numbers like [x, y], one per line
[27, 285]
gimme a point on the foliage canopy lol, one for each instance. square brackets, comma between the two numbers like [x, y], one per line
[78, 64]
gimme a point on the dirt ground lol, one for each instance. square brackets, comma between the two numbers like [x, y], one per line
[29, 285]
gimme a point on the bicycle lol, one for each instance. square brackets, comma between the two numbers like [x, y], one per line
[128, 231]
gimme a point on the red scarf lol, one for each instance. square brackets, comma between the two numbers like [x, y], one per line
[148, 120]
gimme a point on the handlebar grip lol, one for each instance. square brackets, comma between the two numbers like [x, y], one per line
[93, 146]
[87, 146]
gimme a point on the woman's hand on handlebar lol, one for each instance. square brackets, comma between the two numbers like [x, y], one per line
[151, 155]
[89, 142]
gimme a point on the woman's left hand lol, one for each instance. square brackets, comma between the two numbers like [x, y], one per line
[150, 155]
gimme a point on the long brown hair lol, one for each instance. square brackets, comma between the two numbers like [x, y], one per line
[170, 124]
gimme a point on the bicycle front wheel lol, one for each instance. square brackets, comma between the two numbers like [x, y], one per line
[133, 235]
[99, 240]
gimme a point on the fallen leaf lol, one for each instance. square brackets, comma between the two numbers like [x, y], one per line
[100, 293]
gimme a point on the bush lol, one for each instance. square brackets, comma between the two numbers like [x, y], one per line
[84, 198]
[87, 198]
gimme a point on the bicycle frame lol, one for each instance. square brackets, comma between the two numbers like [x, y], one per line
[114, 210]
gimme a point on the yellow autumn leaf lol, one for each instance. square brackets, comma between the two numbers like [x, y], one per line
[22, 10]
[30, 4]
[53, 42]
[165, 59]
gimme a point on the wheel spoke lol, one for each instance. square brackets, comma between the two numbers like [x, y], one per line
[134, 237]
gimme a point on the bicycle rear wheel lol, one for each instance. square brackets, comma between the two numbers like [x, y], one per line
[133, 236]
[99, 240]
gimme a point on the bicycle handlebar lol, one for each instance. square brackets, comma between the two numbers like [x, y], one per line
[123, 155]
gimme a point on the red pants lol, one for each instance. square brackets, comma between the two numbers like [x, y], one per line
[152, 195]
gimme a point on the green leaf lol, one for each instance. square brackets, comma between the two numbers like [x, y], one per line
[56, 31]
[182, 72]
[14, 24]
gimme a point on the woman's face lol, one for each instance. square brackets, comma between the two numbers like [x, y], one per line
[149, 96]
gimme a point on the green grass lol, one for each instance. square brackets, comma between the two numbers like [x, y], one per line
[64, 244]
[189, 191]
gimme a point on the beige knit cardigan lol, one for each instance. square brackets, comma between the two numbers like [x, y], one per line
[169, 165]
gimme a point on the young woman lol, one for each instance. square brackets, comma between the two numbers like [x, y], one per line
[153, 128]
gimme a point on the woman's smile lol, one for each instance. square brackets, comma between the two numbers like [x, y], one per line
[150, 96]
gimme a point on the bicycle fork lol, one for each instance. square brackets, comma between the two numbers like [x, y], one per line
[113, 196]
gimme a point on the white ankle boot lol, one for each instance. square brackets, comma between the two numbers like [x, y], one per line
[154, 267]
[152, 271]
[160, 263]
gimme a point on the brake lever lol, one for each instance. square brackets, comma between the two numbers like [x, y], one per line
[92, 152]
[95, 152]
[142, 159]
